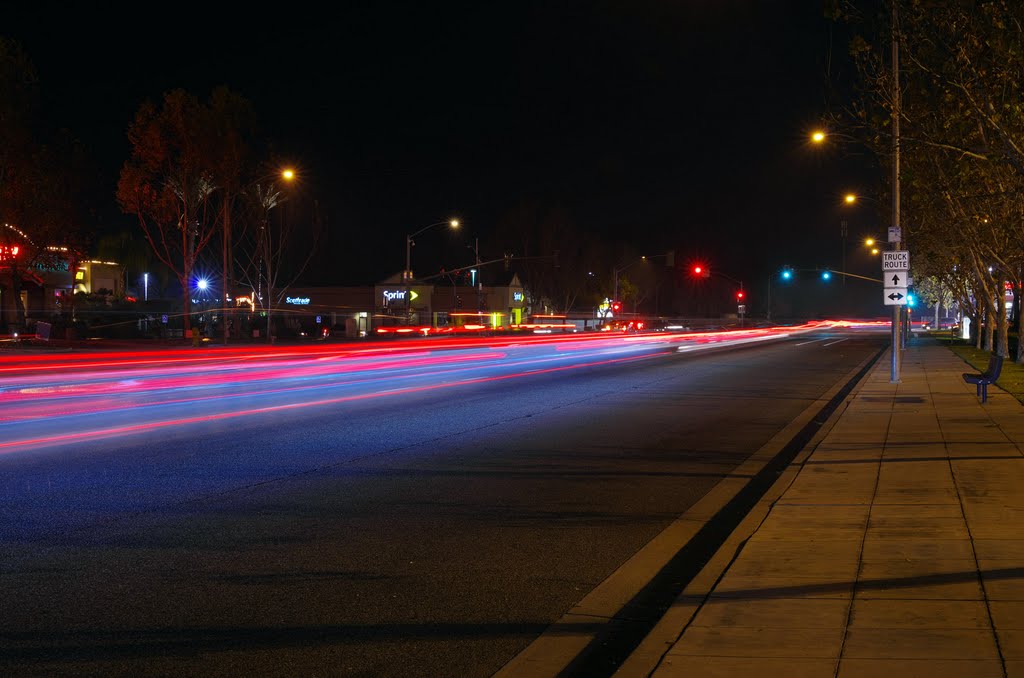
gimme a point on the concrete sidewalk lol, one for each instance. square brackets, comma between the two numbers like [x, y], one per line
[897, 548]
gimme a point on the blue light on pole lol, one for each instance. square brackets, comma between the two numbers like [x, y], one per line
[826, 275]
[202, 284]
[786, 274]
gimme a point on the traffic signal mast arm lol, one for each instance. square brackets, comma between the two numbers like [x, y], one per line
[848, 275]
[707, 272]
[487, 263]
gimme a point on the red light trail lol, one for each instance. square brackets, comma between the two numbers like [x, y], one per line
[66, 398]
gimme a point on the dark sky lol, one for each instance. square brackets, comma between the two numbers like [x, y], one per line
[658, 123]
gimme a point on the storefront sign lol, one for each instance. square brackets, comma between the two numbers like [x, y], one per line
[517, 296]
[298, 301]
[398, 295]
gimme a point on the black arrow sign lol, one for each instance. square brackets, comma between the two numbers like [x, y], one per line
[896, 296]
[895, 281]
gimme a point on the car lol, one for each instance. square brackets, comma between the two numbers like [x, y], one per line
[623, 326]
[663, 325]
[944, 324]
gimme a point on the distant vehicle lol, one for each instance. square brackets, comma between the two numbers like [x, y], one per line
[624, 326]
[944, 324]
[662, 325]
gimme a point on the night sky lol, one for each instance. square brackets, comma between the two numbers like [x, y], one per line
[655, 124]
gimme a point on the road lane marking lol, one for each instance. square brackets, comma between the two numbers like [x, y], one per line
[804, 343]
[837, 342]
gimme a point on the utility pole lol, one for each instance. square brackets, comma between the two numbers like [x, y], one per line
[842, 232]
[897, 311]
[477, 276]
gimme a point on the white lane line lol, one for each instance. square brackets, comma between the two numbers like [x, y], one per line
[804, 343]
[837, 342]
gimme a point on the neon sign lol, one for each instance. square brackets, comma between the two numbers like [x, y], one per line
[8, 252]
[298, 301]
[517, 296]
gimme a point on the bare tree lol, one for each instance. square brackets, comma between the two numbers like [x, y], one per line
[276, 246]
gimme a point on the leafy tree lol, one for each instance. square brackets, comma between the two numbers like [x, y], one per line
[168, 181]
[42, 182]
[962, 126]
[553, 258]
[234, 125]
[19, 85]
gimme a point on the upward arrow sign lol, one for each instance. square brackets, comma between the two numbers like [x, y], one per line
[895, 281]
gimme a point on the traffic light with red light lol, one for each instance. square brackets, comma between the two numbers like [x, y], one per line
[740, 296]
[616, 306]
[701, 271]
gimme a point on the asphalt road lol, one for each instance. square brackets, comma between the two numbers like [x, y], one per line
[398, 517]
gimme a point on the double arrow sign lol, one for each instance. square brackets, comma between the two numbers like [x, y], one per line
[897, 285]
[895, 293]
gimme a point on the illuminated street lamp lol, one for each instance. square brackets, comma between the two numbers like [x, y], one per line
[453, 223]
[407, 273]
[267, 196]
[817, 137]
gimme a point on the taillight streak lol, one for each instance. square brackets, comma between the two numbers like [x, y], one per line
[95, 434]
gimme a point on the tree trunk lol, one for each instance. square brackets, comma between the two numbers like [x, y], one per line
[990, 328]
[226, 273]
[979, 313]
[1020, 338]
[1004, 333]
[186, 273]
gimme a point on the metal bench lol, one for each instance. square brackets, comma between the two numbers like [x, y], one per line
[989, 376]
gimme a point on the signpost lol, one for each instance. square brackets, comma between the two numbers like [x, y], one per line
[896, 260]
[895, 291]
[895, 265]
[895, 278]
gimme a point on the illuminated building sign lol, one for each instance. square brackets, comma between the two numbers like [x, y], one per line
[398, 295]
[298, 301]
[517, 296]
[8, 251]
[50, 266]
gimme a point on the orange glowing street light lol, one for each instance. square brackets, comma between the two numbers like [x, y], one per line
[818, 137]
[288, 174]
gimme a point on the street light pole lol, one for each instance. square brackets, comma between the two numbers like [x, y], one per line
[407, 273]
[617, 271]
[615, 276]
